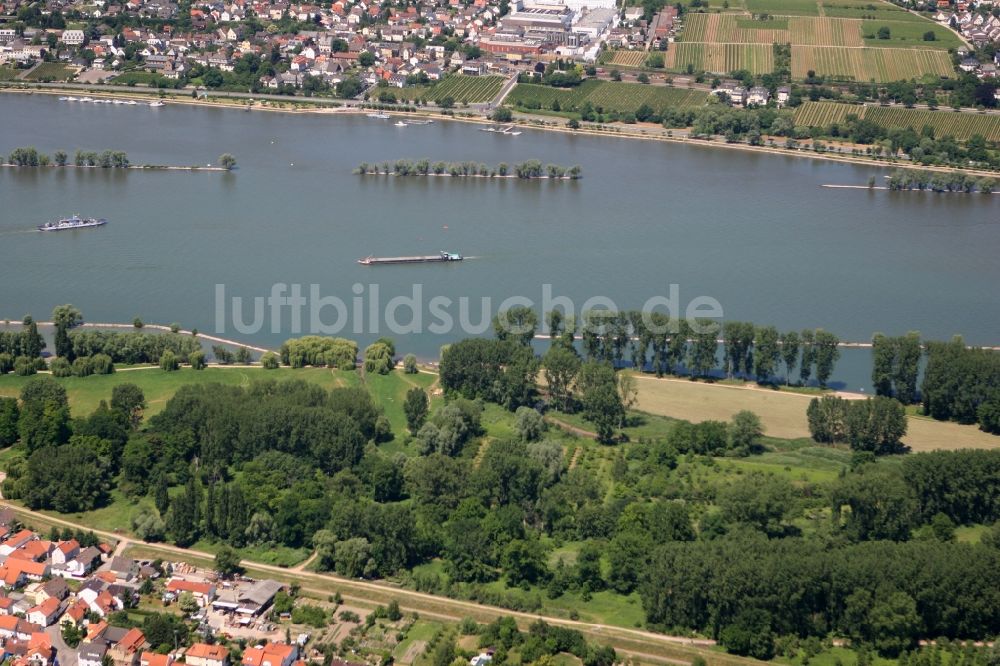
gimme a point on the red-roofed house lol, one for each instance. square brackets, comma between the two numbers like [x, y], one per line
[272, 654]
[36, 551]
[46, 612]
[153, 659]
[203, 654]
[16, 541]
[66, 550]
[126, 651]
[75, 614]
[6, 605]
[16, 627]
[203, 592]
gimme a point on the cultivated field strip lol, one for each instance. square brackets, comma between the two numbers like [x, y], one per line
[607, 95]
[825, 32]
[880, 65]
[723, 58]
[962, 126]
[462, 89]
[625, 58]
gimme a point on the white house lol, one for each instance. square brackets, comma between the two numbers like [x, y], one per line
[72, 37]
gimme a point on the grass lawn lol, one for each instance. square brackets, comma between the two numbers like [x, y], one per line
[115, 517]
[281, 556]
[50, 71]
[85, 393]
[8, 73]
[909, 34]
[604, 607]
[422, 630]
[389, 392]
[970, 533]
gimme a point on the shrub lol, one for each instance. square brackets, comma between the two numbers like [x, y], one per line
[270, 361]
[101, 364]
[169, 362]
[60, 367]
[197, 360]
[410, 364]
[24, 366]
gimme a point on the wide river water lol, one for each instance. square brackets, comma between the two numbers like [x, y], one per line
[755, 232]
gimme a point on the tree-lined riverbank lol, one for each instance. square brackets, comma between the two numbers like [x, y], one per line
[644, 132]
[30, 157]
[529, 170]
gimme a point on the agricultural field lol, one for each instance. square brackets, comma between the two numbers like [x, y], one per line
[962, 126]
[909, 33]
[825, 32]
[820, 114]
[869, 64]
[712, 42]
[866, 9]
[50, 71]
[627, 58]
[722, 58]
[783, 7]
[608, 95]
[463, 89]
[783, 413]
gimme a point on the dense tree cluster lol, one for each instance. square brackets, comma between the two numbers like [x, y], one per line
[320, 351]
[962, 384]
[746, 589]
[875, 424]
[895, 366]
[132, 346]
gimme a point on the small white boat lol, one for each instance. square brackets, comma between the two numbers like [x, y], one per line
[86, 99]
[400, 124]
[156, 104]
[63, 99]
[380, 116]
[71, 99]
[131, 102]
[117, 101]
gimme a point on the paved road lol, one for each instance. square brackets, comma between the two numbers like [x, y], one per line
[66, 655]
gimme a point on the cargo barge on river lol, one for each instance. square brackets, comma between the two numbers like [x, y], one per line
[441, 257]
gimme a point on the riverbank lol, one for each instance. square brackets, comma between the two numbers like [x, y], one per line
[889, 189]
[616, 130]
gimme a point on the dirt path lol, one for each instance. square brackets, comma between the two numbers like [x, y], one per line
[570, 428]
[410, 600]
[302, 566]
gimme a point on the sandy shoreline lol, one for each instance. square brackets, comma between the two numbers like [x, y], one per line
[616, 131]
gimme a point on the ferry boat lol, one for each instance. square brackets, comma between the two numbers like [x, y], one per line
[380, 116]
[440, 257]
[75, 222]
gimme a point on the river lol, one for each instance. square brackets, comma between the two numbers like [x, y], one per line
[755, 232]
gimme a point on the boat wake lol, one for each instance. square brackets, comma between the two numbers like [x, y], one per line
[11, 232]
